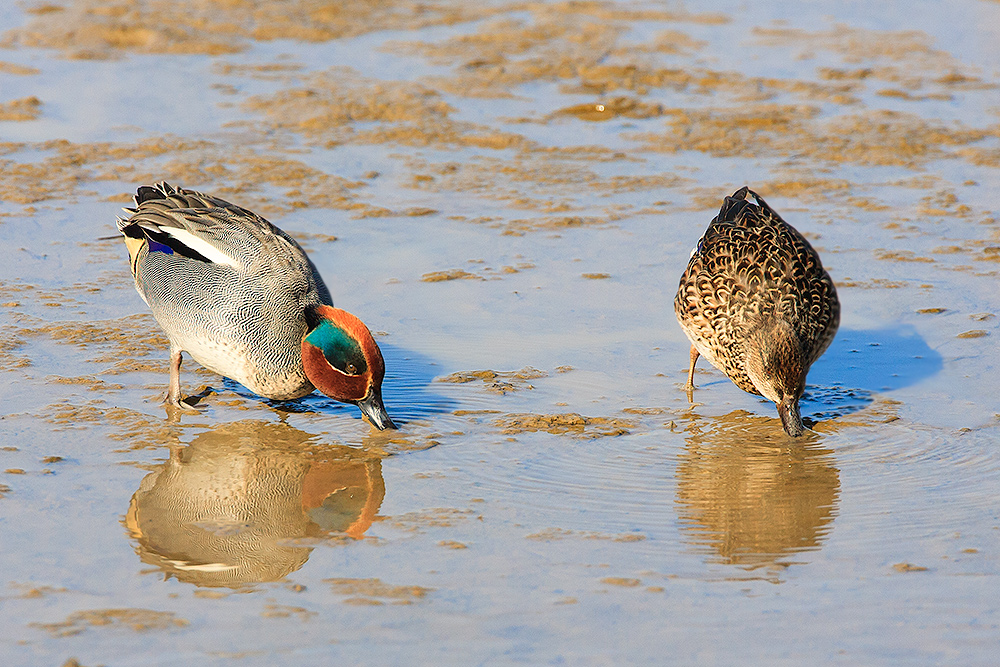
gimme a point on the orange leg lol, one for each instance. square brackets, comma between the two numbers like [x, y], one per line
[689, 387]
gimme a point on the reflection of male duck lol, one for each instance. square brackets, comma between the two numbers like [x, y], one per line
[220, 511]
[750, 497]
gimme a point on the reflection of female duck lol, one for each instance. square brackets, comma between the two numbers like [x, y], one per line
[751, 498]
[219, 512]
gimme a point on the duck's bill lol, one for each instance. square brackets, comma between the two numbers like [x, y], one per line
[374, 409]
[791, 420]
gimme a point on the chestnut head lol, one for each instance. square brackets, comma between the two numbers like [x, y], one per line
[341, 359]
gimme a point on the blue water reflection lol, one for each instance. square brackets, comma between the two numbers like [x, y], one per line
[863, 362]
[408, 390]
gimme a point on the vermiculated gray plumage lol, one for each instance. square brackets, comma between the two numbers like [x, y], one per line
[227, 286]
[751, 273]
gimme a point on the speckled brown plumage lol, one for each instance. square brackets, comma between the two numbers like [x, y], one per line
[757, 303]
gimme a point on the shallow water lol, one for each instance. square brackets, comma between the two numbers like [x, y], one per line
[506, 193]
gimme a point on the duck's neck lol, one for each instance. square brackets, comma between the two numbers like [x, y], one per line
[774, 360]
[777, 369]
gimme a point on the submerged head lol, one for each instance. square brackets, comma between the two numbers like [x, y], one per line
[341, 359]
[776, 367]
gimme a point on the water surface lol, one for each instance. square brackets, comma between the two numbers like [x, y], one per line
[506, 193]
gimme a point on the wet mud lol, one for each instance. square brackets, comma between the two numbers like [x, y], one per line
[512, 188]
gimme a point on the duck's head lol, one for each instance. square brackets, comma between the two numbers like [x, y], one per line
[777, 369]
[341, 359]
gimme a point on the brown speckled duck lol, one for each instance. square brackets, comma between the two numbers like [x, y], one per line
[756, 302]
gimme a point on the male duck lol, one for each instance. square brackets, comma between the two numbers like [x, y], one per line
[756, 302]
[243, 299]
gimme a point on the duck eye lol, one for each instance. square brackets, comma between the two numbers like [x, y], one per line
[352, 369]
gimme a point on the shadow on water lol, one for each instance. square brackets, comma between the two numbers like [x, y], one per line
[861, 363]
[226, 510]
[406, 390]
[752, 496]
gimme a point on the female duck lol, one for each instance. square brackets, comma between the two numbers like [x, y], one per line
[243, 299]
[756, 302]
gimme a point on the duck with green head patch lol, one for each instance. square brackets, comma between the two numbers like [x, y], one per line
[244, 300]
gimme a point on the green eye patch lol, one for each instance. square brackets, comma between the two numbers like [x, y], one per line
[343, 352]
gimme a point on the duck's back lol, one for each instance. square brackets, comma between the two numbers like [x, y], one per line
[751, 265]
[226, 285]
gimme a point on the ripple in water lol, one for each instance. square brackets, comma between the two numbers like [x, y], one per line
[908, 479]
[572, 470]
[878, 435]
[823, 403]
[749, 495]
[408, 391]
[862, 363]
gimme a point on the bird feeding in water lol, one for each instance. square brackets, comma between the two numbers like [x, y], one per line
[756, 302]
[245, 301]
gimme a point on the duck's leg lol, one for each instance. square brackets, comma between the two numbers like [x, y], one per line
[173, 396]
[689, 387]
